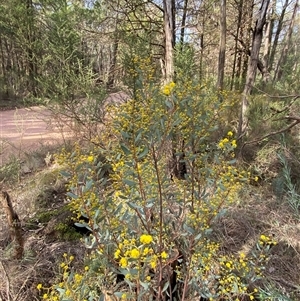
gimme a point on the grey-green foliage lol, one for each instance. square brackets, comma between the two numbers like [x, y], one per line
[271, 293]
[11, 171]
[68, 73]
[292, 195]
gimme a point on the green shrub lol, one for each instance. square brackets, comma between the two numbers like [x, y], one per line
[148, 226]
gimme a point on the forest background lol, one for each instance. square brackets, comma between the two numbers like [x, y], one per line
[188, 181]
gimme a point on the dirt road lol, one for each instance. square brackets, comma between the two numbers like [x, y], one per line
[25, 130]
[28, 129]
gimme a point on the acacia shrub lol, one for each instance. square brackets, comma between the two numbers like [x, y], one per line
[151, 233]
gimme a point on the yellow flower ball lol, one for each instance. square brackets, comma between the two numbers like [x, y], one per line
[90, 159]
[39, 286]
[135, 253]
[164, 255]
[146, 239]
[123, 262]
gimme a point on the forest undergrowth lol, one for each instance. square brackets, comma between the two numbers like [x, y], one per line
[155, 196]
[172, 210]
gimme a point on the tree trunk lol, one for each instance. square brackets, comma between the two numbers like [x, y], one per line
[168, 7]
[201, 58]
[277, 34]
[183, 21]
[284, 53]
[268, 39]
[221, 64]
[246, 37]
[3, 70]
[252, 68]
[236, 51]
[32, 65]
[112, 67]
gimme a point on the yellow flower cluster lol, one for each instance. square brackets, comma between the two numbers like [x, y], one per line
[233, 272]
[265, 240]
[167, 89]
[228, 143]
[146, 239]
[80, 168]
[130, 254]
[227, 181]
[69, 284]
[139, 65]
[203, 259]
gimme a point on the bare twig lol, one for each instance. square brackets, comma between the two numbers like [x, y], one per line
[277, 96]
[287, 106]
[25, 281]
[296, 121]
[7, 281]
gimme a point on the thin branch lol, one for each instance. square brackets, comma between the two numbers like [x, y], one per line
[26, 280]
[7, 281]
[278, 96]
[297, 121]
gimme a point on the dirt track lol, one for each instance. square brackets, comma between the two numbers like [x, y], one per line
[29, 129]
[25, 130]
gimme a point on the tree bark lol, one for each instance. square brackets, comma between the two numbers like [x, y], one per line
[31, 60]
[252, 68]
[236, 51]
[113, 63]
[267, 43]
[246, 37]
[168, 7]
[222, 48]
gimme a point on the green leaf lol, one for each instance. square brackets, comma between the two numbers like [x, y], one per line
[143, 153]
[208, 231]
[88, 185]
[72, 195]
[133, 206]
[168, 104]
[79, 225]
[188, 229]
[125, 149]
[145, 285]
[232, 161]
[102, 298]
[129, 182]
[198, 236]
[138, 137]
[65, 174]
[166, 285]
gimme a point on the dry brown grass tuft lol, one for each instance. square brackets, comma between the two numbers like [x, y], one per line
[262, 213]
[40, 265]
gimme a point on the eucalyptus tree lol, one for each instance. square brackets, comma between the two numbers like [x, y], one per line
[222, 47]
[282, 60]
[253, 63]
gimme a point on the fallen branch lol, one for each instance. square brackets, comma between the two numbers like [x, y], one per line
[14, 225]
[296, 121]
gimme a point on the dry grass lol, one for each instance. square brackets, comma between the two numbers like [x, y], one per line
[40, 265]
[41, 258]
[260, 212]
